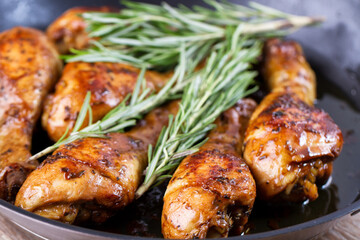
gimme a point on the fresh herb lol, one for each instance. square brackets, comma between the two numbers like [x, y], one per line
[149, 35]
[223, 82]
[125, 115]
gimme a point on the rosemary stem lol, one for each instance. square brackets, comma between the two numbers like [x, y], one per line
[43, 153]
[145, 186]
[291, 22]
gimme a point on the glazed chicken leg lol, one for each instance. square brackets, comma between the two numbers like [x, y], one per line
[212, 190]
[29, 67]
[109, 84]
[91, 178]
[69, 30]
[289, 144]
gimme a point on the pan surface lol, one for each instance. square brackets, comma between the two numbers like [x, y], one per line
[332, 50]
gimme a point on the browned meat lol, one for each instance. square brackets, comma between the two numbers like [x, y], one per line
[69, 30]
[212, 190]
[109, 84]
[29, 66]
[92, 178]
[289, 144]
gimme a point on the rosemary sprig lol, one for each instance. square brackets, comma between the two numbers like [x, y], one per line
[225, 80]
[122, 116]
[146, 34]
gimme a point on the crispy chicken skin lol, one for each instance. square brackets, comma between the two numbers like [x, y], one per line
[212, 190]
[109, 84]
[69, 30]
[91, 178]
[289, 144]
[29, 67]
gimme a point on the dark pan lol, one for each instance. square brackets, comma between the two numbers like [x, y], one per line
[333, 51]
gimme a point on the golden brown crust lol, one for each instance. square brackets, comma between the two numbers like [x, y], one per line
[69, 30]
[109, 84]
[286, 134]
[212, 190]
[29, 66]
[91, 178]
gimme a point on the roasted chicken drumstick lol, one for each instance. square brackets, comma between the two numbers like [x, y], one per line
[289, 144]
[69, 30]
[29, 67]
[212, 190]
[91, 178]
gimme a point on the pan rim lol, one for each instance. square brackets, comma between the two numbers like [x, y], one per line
[351, 209]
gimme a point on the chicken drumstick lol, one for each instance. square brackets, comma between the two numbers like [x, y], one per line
[289, 144]
[212, 190]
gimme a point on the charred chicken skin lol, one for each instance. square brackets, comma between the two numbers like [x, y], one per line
[29, 67]
[69, 30]
[109, 84]
[92, 178]
[212, 190]
[289, 144]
